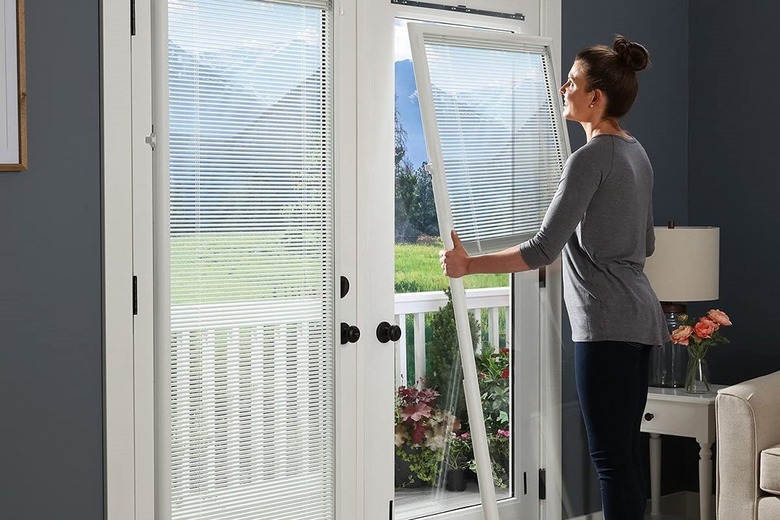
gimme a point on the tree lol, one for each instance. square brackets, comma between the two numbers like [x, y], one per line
[415, 210]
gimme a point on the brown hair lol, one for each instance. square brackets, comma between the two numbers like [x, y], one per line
[613, 71]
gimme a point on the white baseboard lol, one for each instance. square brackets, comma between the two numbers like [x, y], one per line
[683, 505]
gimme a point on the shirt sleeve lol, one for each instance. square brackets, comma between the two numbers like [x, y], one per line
[582, 175]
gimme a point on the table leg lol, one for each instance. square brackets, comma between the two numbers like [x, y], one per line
[705, 480]
[655, 474]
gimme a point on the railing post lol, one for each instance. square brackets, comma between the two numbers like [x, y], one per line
[419, 349]
[400, 353]
[493, 328]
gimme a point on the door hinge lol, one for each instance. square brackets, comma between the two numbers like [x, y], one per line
[390, 516]
[135, 295]
[542, 483]
[542, 277]
[151, 139]
[132, 17]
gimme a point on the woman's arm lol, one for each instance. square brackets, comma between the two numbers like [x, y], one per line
[456, 262]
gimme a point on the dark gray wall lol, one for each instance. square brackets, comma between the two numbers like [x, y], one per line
[733, 173]
[659, 119]
[51, 419]
[50, 269]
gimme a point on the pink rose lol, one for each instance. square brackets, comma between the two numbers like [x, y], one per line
[704, 328]
[719, 317]
[680, 335]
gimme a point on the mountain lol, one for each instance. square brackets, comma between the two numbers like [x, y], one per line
[406, 103]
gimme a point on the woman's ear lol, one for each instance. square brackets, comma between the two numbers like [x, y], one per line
[595, 97]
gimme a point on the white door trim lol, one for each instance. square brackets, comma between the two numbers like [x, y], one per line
[116, 74]
[349, 480]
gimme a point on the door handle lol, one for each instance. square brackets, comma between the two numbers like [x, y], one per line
[386, 332]
[349, 333]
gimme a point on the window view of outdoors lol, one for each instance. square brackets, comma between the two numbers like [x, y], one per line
[434, 459]
[252, 376]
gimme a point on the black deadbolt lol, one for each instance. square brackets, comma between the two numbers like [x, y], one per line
[344, 286]
[386, 332]
[649, 416]
[349, 333]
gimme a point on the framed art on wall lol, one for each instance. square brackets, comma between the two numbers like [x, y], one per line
[13, 95]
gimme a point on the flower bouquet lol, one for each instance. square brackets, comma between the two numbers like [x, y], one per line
[698, 336]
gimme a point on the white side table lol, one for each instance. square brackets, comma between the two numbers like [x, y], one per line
[672, 411]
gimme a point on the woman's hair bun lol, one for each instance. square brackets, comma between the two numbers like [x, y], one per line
[634, 55]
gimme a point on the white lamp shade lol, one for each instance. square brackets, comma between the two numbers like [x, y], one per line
[685, 265]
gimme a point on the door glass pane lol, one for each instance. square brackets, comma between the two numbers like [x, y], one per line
[434, 459]
[252, 260]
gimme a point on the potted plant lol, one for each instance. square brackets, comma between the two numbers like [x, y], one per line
[459, 454]
[421, 432]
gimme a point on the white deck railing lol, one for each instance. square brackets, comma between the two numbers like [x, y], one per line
[419, 304]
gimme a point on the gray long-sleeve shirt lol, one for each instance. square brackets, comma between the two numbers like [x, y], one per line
[602, 218]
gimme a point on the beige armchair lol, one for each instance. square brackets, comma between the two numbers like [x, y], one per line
[748, 456]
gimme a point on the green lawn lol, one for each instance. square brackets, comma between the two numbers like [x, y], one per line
[211, 268]
[417, 269]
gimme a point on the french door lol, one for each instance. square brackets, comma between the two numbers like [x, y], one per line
[490, 115]
[263, 386]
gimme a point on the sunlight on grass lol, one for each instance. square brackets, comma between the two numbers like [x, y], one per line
[222, 267]
[417, 269]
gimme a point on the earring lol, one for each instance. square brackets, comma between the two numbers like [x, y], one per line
[590, 106]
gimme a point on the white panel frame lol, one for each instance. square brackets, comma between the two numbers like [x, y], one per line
[538, 311]
[143, 264]
[375, 257]
[116, 74]
[159, 208]
[347, 428]
[349, 477]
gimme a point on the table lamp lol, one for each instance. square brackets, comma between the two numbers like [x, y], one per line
[684, 268]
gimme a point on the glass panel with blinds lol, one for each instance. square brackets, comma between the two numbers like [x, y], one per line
[497, 118]
[252, 260]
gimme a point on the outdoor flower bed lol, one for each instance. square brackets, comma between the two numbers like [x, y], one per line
[433, 442]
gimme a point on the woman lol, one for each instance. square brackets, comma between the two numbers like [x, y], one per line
[602, 218]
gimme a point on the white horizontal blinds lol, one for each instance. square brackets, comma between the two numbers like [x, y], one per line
[252, 254]
[500, 130]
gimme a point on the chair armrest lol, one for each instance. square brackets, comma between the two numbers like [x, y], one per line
[747, 421]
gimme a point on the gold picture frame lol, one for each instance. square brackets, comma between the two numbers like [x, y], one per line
[13, 88]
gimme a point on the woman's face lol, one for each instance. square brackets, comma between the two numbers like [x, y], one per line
[575, 96]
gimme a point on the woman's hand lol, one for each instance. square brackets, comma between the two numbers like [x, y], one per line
[455, 262]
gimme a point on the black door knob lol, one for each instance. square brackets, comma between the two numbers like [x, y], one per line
[344, 286]
[349, 333]
[386, 332]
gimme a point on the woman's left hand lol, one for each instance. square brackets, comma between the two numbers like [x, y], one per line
[455, 262]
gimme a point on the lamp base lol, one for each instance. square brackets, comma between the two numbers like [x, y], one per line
[667, 362]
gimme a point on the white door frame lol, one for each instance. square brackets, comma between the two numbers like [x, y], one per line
[130, 69]
[375, 39]
[349, 478]
[116, 75]
[129, 446]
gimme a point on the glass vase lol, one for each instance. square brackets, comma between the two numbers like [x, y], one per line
[697, 379]
[668, 361]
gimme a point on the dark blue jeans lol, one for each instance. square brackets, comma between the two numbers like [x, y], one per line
[612, 379]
